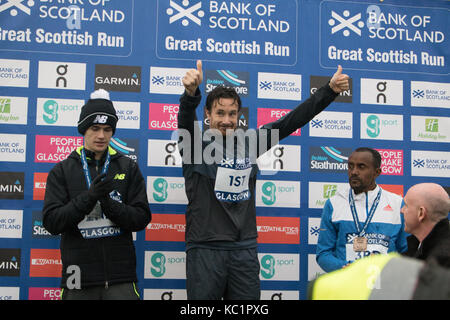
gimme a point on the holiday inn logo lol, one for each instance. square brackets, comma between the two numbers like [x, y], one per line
[431, 125]
[436, 129]
[329, 190]
[5, 105]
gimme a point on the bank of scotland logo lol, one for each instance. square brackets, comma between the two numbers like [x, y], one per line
[158, 80]
[185, 13]
[265, 85]
[314, 231]
[346, 23]
[419, 163]
[16, 5]
[418, 93]
[316, 123]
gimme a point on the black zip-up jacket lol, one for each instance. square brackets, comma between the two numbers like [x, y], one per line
[436, 244]
[209, 218]
[104, 260]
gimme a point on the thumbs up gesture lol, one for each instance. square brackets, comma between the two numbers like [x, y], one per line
[339, 82]
[193, 78]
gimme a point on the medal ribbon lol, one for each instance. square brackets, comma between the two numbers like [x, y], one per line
[87, 174]
[351, 201]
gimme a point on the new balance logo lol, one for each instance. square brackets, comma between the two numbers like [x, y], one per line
[346, 24]
[186, 14]
[100, 119]
[119, 176]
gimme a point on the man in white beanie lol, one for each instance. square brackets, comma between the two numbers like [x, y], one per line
[95, 199]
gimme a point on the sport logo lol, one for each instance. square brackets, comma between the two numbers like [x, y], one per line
[160, 185]
[346, 24]
[186, 14]
[268, 190]
[158, 268]
[373, 126]
[50, 115]
[268, 266]
[17, 4]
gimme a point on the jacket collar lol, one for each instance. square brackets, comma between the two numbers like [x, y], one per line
[91, 156]
[431, 240]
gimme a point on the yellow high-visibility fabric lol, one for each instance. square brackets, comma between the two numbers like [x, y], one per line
[354, 282]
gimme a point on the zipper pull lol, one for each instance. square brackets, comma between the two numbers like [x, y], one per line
[106, 284]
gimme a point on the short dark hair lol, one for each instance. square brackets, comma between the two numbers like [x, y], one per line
[222, 92]
[375, 155]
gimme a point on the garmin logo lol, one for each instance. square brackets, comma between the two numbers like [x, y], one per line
[118, 78]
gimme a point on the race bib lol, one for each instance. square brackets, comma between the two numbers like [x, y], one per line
[377, 243]
[232, 180]
[96, 225]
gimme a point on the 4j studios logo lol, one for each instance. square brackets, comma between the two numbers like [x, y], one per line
[187, 12]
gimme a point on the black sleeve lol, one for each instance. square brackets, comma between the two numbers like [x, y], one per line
[187, 126]
[300, 116]
[60, 213]
[135, 214]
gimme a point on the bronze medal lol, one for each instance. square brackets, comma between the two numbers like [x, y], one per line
[359, 244]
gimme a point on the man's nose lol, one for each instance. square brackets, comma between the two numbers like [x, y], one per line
[101, 133]
[227, 120]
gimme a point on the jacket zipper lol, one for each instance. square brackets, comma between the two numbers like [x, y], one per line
[104, 264]
[103, 243]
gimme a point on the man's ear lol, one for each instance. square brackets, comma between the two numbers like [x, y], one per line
[422, 214]
[377, 172]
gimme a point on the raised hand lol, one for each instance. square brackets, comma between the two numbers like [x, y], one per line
[339, 82]
[193, 78]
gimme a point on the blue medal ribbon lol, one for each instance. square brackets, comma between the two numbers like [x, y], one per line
[86, 172]
[370, 214]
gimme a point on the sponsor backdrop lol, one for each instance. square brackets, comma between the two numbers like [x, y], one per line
[275, 53]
